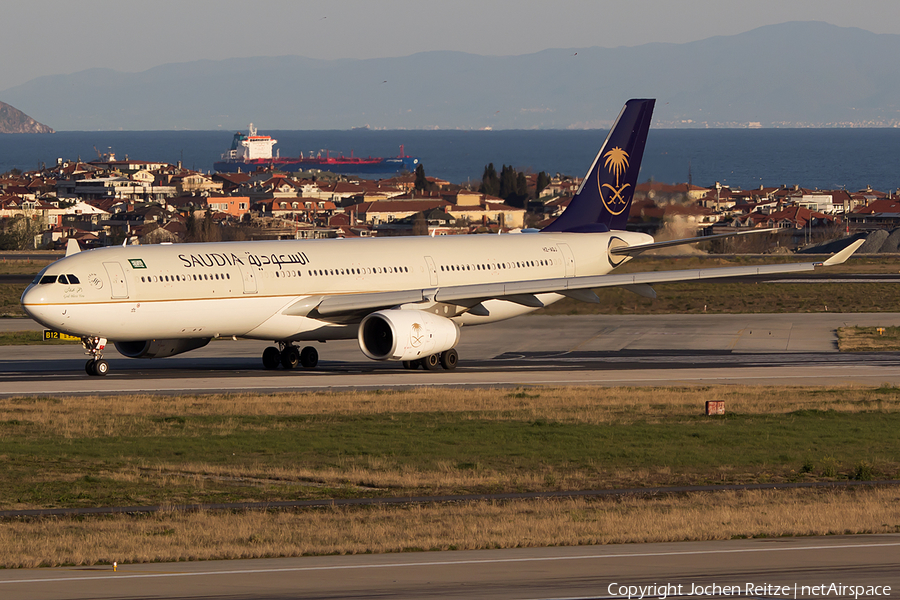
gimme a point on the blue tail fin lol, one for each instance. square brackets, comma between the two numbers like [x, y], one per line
[604, 198]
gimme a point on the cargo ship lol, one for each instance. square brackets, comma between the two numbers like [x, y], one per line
[253, 152]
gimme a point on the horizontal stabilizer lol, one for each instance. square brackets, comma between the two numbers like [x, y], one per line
[641, 248]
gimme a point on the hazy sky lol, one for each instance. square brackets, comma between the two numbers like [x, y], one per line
[49, 37]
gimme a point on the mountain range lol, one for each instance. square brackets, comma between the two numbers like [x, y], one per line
[798, 74]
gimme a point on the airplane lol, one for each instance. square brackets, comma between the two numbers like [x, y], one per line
[404, 299]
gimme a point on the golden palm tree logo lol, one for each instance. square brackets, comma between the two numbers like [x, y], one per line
[416, 335]
[616, 163]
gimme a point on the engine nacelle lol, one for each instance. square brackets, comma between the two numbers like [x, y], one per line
[159, 348]
[406, 334]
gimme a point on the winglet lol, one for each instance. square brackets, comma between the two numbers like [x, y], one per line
[72, 247]
[844, 254]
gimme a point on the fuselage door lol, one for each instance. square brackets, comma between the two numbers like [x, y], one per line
[432, 270]
[568, 259]
[116, 279]
[249, 278]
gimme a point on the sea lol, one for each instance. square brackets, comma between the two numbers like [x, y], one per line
[851, 159]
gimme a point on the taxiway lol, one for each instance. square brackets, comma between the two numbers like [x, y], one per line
[617, 350]
[756, 567]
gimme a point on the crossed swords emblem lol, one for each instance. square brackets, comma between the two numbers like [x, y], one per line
[617, 164]
[416, 340]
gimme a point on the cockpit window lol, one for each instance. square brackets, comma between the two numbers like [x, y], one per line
[40, 275]
[67, 279]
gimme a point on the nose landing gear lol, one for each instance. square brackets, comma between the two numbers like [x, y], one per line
[96, 366]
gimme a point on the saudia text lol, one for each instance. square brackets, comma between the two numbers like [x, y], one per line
[218, 259]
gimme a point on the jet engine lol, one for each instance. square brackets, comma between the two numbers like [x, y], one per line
[406, 334]
[159, 348]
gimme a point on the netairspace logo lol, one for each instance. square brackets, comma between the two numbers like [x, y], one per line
[795, 591]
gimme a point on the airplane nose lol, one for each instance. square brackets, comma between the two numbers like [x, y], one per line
[34, 304]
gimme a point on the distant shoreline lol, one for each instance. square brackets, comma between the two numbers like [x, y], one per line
[740, 158]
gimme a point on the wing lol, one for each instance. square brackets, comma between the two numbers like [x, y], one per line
[351, 307]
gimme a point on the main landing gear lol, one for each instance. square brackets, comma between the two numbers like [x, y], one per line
[447, 359]
[96, 366]
[289, 357]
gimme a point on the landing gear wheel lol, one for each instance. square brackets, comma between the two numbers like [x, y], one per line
[93, 347]
[271, 357]
[449, 359]
[96, 367]
[309, 357]
[430, 362]
[290, 357]
[412, 365]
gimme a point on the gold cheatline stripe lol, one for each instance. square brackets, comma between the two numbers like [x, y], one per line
[250, 295]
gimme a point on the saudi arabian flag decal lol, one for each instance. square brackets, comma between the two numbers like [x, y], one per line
[137, 263]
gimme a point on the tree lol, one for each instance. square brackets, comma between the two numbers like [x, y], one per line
[522, 188]
[420, 224]
[490, 182]
[422, 184]
[190, 225]
[18, 233]
[209, 230]
[507, 182]
[513, 187]
[543, 180]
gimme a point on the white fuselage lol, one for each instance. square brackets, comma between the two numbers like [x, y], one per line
[178, 291]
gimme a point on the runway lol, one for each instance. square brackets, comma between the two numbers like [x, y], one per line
[793, 349]
[758, 568]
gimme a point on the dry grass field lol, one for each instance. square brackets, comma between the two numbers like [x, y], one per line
[868, 339]
[142, 450]
[173, 536]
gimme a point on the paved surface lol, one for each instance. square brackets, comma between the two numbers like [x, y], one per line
[532, 573]
[796, 349]
[12, 324]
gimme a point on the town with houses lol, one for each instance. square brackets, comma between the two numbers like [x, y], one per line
[109, 202]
